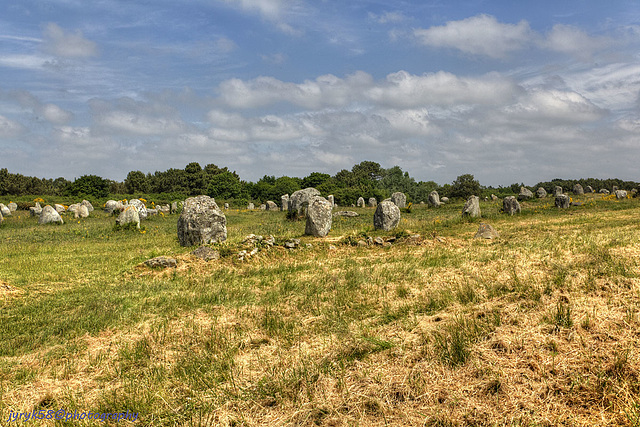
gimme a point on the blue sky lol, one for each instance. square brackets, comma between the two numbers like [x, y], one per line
[510, 91]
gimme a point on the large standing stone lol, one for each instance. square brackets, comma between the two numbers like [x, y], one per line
[360, 202]
[284, 202]
[510, 205]
[525, 194]
[49, 215]
[387, 216]
[88, 205]
[541, 193]
[472, 207]
[12, 206]
[82, 212]
[129, 216]
[201, 222]
[578, 190]
[318, 217]
[557, 190]
[299, 200]
[621, 194]
[372, 203]
[562, 201]
[4, 210]
[399, 199]
[434, 199]
[142, 209]
[111, 205]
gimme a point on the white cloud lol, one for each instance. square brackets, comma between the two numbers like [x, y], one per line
[24, 62]
[574, 41]
[10, 128]
[388, 17]
[139, 124]
[60, 43]
[55, 114]
[478, 35]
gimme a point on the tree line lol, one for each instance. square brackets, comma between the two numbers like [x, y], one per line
[365, 179]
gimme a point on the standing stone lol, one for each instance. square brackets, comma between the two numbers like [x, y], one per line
[614, 189]
[621, 194]
[271, 206]
[589, 189]
[399, 199]
[603, 191]
[142, 209]
[331, 200]
[226, 205]
[263, 207]
[387, 216]
[251, 206]
[372, 203]
[541, 193]
[472, 207]
[318, 217]
[284, 202]
[494, 197]
[444, 200]
[88, 205]
[12, 206]
[299, 200]
[557, 190]
[510, 205]
[578, 190]
[562, 201]
[201, 222]
[360, 202]
[35, 210]
[4, 210]
[434, 199]
[112, 205]
[49, 215]
[129, 216]
[486, 231]
[82, 212]
[525, 194]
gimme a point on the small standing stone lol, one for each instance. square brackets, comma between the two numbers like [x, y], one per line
[541, 193]
[251, 206]
[589, 189]
[510, 205]
[49, 215]
[318, 217]
[129, 216]
[472, 207]
[578, 190]
[201, 222]
[372, 202]
[226, 205]
[331, 200]
[387, 216]
[486, 231]
[142, 209]
[360, 202]
[525, 194]
[399, 199]
[284, 200]
[562, 201]
[271, 206]
[557, 190]
[12, 206]
[621, 194]
[434, 199]
[82, 212]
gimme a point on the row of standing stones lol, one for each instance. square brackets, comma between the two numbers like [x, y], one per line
[50, 214]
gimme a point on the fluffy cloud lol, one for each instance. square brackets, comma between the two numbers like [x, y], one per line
[60, 43]
[9, 128]
[478, 35]
[574, 41]
[55, 115]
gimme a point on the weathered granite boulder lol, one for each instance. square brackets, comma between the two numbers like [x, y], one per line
[284, 202]
[201, 222]
[12, 206]
[331, 200]
[263, 207]
[510, 205]
[563, 201]
[251, 206]
[360, 202]
[387, 216]
[152, 212]
[161, 262]
[206, 253]
[399, 199]
[525, 194]
[112, 206]
[541, 193]
[557, 190]
[140, 206]
[49, 216]
[444, 200]
[434, 199]
[472, 207]
[88, 205]
[578, 190]
[299, 200]
[129, 216]
[372, 203]
[271, 206]
[621, 194]
[603, 191]
[4, 210]
[226, 205]
[494, 197]
[486, 231]
[346, 213]
[318, 217]
[82, 212]
[589, 189]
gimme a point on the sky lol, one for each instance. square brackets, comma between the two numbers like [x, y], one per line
[509, 91]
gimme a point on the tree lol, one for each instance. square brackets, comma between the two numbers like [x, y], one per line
[88, 185]
[225, 186]
[136, 182]
[315, 179]
[195, 178]
[286, 185]
[465, 186]
[368, 170]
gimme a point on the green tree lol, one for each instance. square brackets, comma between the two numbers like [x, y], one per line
[315, 179]
[465, 186]
[136, 182]
[88, 185]
[225, 186]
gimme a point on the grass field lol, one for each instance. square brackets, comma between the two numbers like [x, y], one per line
[540, 327]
